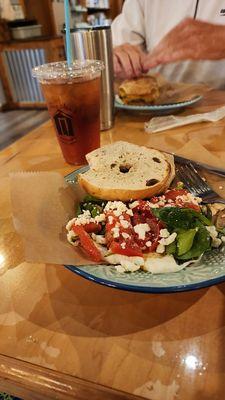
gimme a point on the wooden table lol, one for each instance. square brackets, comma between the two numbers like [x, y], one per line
[67, 338]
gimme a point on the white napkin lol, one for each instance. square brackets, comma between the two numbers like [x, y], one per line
[158, 124]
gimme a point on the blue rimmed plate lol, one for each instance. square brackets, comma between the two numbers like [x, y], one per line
[209, 271]
[158, 109]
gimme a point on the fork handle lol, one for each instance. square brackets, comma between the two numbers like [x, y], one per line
[213, 200]
[215, 171]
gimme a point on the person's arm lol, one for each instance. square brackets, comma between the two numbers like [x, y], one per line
[189, 40]
[128, 40]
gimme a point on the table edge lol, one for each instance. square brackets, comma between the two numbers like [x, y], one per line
[29, 381]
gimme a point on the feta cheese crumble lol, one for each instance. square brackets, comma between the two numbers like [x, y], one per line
[125, 235]
[168, 240]
[160, 248]
[99, 218]
[72, 238]
[115, 232]
[124, 263]
[164, 233]
[189, 198]
[141, 230]
[212, 231]
[216, 242]
[98, 238]
[134, 204]
[125, 224]
[118, 207]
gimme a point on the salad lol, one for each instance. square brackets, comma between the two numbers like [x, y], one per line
[162, 234]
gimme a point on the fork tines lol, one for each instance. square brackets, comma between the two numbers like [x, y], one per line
[194, 183]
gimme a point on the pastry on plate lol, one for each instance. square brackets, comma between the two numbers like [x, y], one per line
[143, 90]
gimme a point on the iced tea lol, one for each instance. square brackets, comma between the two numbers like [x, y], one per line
[73, 101]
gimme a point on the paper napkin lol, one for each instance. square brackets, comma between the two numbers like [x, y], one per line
[158, 124]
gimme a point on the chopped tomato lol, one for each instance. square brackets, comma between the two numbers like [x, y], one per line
[154, 200]
[120, 244]
[130, 249]
[141, 205]
[173, 193]
[140, 216]
[195, 207]
[92, 227]
[111, 221]
[143, 215]
[126, 241]
[152, 235]
[87, 243]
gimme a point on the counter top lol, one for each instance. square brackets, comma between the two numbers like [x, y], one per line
[65, 337]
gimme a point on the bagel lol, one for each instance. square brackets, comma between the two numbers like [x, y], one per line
[125, 171]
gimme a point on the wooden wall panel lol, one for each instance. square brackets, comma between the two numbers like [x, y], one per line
[115, 7]
[42, 11]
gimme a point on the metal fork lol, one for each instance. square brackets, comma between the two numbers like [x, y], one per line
[196, 185]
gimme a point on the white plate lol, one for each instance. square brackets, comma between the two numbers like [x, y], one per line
[156, 109]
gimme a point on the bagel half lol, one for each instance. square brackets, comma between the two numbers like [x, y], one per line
[124, 171]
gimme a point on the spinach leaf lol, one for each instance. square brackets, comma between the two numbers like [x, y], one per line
[95, 209]
[78, 210]
[171, 248]
[201, 243]
[185, 241]
[92, 204]
[91, 199]
[180, 218]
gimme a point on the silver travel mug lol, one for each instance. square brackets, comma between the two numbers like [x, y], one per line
[96, 43]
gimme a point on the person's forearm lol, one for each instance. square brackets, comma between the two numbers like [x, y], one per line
[189, 40]
[217, 42]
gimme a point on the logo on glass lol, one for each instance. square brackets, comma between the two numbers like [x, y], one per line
[64, 126]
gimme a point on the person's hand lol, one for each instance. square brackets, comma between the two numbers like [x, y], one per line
[127, 61]
[189, 40]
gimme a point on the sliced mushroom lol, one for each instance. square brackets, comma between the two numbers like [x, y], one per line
[220, 219]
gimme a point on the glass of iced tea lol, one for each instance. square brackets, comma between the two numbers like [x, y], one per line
[72, 94]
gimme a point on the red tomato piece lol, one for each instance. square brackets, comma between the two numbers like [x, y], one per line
[87, 243]
[130, 249]
[141, 205]
[119, 244]
[111, 221]
[92, 227]
[152, 236]
[173, 193]
[195, 207]
[154, 200]
[141, 215]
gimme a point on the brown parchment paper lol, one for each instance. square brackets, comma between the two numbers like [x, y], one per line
[42, 204]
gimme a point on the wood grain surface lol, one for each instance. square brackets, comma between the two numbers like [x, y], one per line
[65, 337]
